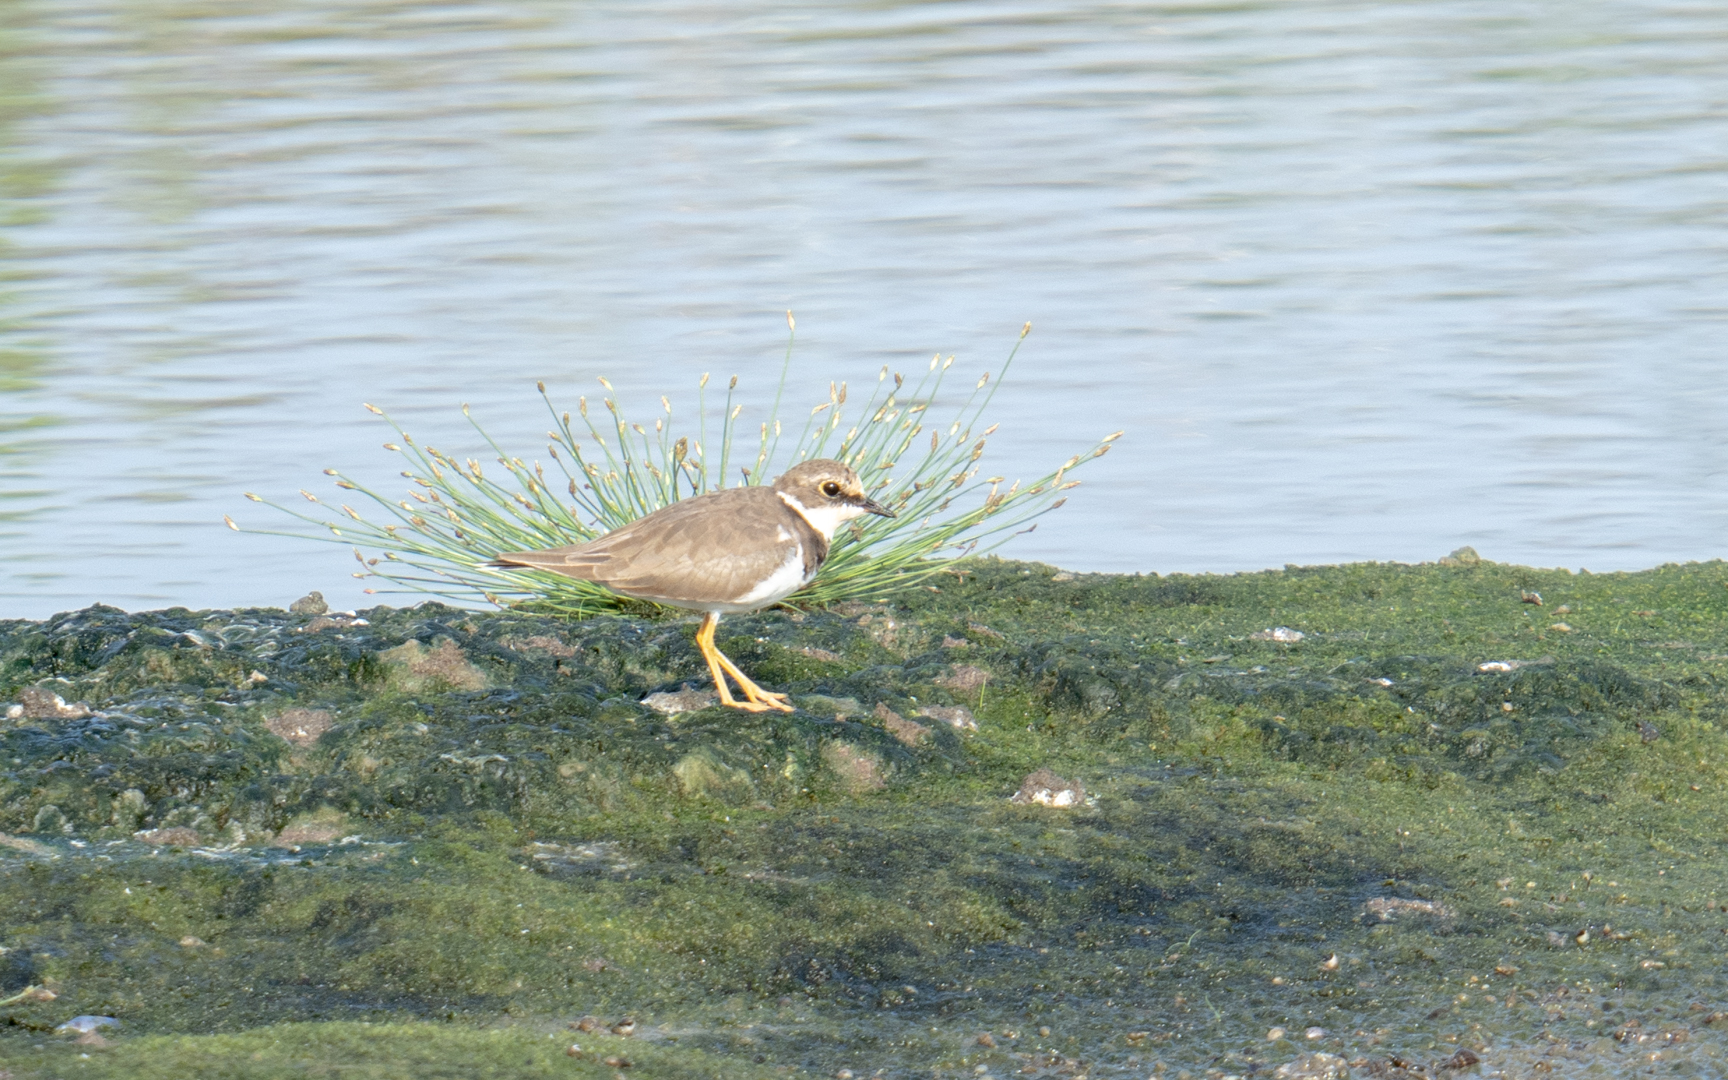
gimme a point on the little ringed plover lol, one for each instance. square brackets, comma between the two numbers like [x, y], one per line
[733, 550]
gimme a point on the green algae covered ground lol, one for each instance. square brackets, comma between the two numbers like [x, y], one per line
[1446, 823]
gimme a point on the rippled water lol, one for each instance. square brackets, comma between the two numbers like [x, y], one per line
[1361, 280]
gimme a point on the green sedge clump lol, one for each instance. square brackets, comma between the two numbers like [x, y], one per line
[605, 471]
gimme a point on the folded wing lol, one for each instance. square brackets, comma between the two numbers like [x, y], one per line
[712, 549]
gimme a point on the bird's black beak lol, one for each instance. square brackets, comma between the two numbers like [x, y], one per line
[873, 507]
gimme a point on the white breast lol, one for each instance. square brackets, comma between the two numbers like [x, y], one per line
[785, 581]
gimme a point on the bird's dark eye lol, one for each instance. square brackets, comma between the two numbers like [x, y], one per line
[831, 489]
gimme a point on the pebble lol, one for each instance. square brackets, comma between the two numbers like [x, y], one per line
[1389, 906]
[1316, 1066]
[1045, 788]
[36, 703]
[1282, 634]
[1274, 1034]
[1314, 1033]
[671, 703]
[1464, 556]
[958, 717]
[84, 1025]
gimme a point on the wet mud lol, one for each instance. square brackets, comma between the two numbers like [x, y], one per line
[1390, 820]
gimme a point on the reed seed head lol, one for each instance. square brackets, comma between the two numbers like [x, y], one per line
[373, 408]
[230, 522]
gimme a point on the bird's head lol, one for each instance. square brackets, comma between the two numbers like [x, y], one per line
[827, 493]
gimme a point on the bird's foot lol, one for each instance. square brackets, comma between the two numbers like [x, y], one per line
[757, 699]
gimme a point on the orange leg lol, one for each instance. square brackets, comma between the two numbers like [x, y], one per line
[756, 699]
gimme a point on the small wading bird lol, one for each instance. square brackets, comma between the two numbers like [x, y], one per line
[738, 549]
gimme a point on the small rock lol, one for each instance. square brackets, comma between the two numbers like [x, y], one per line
[624, 1027]
[838, 707]
[1316, 1066]
[321, 827]
[1648, 732]
[958, 717]
[50, 820]
[1530, 597]
[302, 727]
[1063, 576]
[859, 770]
[84, 1025]
[1463, 1059]
[28, 847]
[1282, 634]
[36, 703]
[1560, 628]
[964, 679]
[310, 604]
[1274, 1034]
[949, 642]
[587, 1023]
[191, 942]
[414, 668]
[539, 643]
[1464, 556]
[1388, 906]
[986, 1039]
[909, 732]
[702, 773]
[1314, 1033]
[1045, 788]
[671, 703]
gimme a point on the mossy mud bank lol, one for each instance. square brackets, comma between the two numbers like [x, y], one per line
[1450, 829]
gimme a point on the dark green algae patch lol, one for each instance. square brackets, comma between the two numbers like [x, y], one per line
[427, 842]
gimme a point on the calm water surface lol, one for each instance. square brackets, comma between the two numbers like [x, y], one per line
[1361, 280]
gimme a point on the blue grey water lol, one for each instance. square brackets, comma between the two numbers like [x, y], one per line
[1360, 280]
